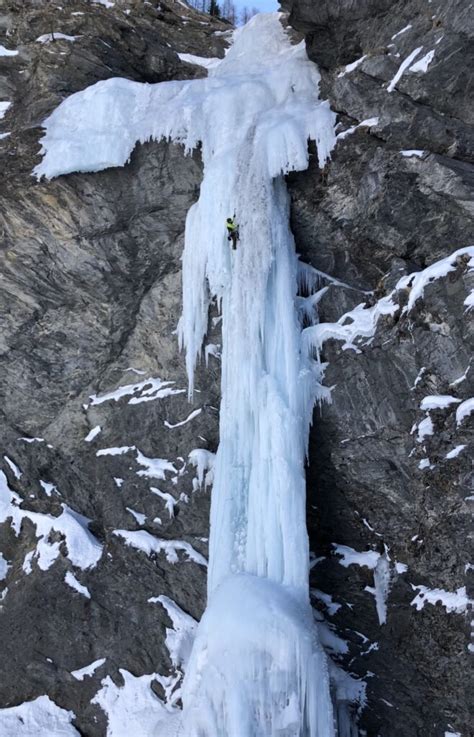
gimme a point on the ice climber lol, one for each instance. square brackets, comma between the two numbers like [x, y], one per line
[232, 232]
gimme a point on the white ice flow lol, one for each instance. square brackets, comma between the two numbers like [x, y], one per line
[257, 668]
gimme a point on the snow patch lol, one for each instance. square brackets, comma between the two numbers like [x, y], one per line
[425, 428]
[4, 106]
[350, 67]
[134, 704]
[399, 33]
[83, 550]
[402, 68]
[438, 401]
[13, 467]
[409, 152]
[455, 451]
[464, 410]
[37, 718]
[87, 670]
[367, 123]
[201, 61]
[179, 640]
[191, 416]
[93, 434]
[142, 540]
[72, 581]
[453, 601]
[350, 557]
[7, 52]
[143, 391]
[204, 461]
[421, 66]
[138, 516]
[52, 37]
[4, 566]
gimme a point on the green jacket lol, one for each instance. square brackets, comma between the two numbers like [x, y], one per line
[231, 226]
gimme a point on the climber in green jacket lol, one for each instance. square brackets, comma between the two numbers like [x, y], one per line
[232, 231]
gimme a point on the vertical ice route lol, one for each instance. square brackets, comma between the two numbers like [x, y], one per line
[257, 668]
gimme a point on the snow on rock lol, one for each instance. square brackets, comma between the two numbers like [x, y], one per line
[179, 639]
[115, 451]
[7, 52]
[453, 601]
[138, 516]
[48, 488]
[13, 467]
[203, 460]
[417, 281]
[350, 557]
[438, 401]
[170, 501]
[455, 451]
[142, 540]
[93, 434]
[421, 66]
[367, 123]
[331, 606]
[409, 152]
[87, 670]
[4, 106]
[201, 61]
[359, 322]
[464, 410]
[401, 568]
[404, 30]
[155, 468]
[402, 68]
[425, 428]
[52, 37]
[72, 581]
[350, 67]
[4, 566]
[142, 391]
[83, 550]
[37, 718]
[132, 704]
[191, 416]
[469, 301]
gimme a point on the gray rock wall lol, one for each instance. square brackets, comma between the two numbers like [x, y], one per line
[90, 298]
[372, 216]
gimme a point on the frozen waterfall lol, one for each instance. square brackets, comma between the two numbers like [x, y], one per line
[257, 668]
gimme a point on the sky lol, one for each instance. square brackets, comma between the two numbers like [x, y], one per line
[265, 6]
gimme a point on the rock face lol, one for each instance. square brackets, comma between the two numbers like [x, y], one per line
[376, 482]
[96, 424]
[90, 297]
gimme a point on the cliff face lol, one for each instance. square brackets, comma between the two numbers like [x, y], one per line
[396, 197]
[90, 297]
[94, 414]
